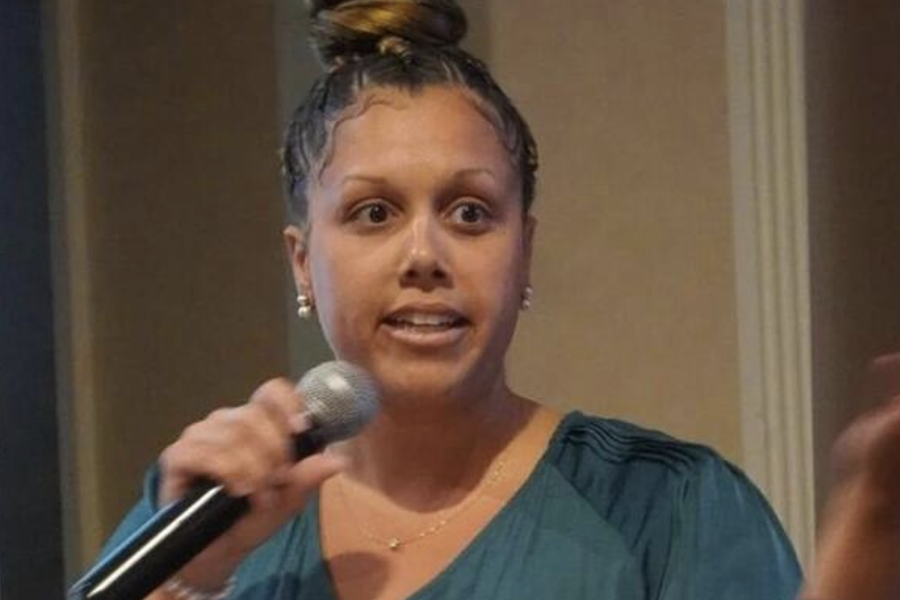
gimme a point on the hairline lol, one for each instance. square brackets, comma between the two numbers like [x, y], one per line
[372, 95]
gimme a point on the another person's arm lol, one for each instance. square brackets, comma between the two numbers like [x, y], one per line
[858, 557]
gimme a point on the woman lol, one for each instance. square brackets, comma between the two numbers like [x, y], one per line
[410, 177]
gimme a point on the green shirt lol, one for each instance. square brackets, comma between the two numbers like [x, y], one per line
[611, 512]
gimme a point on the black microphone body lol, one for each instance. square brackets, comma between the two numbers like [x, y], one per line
[181, 530]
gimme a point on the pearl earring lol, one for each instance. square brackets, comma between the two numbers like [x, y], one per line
[304, 306]
[527, 297]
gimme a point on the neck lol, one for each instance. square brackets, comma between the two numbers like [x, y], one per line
[419, 457]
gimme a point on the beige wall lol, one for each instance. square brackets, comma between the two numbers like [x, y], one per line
[180, 278]
[635, 308]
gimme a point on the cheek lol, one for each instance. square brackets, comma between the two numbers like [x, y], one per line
[346, 296]
[336, 269]
[497, 282]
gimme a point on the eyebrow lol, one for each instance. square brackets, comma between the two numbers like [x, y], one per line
[364, 178]
[376, 180]
[464, 173]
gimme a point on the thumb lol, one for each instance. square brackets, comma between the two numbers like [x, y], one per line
[882, 380]
[304, 478]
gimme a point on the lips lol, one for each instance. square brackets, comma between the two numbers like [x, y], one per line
[426, 325]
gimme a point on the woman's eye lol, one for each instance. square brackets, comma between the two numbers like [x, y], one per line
[372, 214]
[469, 213]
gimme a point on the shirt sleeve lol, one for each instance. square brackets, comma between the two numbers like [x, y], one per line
[727, 543]
[139, 514]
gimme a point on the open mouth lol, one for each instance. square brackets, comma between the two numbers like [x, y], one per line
[427, 326]
[426, 322]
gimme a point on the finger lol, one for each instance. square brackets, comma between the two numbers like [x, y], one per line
[300, 423]
[284, 394]
[242, 443]
[871, 444]
[259, 434]
[264, 499]
[275, 412]
[306, 477]
[212, 430]
[271, 433]
[183, 464]
[883, 377]
[240, 448]
[280, 393]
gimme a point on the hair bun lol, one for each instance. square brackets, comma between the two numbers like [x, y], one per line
[316, 6]
[346, 29]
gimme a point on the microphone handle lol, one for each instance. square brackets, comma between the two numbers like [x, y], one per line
[171, 538]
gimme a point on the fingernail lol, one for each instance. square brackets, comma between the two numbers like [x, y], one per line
[299, 422]
[340, 461]
[241, 491]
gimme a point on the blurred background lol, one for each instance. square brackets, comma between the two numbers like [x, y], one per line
[717, 249]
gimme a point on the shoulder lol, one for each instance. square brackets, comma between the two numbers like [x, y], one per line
[608, 461]
[595, 453]
[680, 507]
[627, 472]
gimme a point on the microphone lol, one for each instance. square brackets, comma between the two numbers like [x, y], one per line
[340, 400]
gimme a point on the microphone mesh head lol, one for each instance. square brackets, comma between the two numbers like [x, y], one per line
[340, 399]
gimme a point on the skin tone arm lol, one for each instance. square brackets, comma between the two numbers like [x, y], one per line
[859, 551]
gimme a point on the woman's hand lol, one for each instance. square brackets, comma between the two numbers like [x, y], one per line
[249, 450]
[858, 556]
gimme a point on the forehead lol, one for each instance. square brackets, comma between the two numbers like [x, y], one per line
[440, 125]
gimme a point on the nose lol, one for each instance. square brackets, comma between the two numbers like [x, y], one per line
[424, 262]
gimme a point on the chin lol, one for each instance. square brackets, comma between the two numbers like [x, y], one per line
[426, 383]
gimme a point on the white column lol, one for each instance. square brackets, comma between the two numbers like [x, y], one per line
[767, 119]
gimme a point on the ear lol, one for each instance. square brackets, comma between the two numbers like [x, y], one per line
[296, 240]
[527, 246]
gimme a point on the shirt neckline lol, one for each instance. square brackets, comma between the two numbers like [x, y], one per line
[530, 483]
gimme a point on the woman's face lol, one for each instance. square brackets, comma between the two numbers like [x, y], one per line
[417, 251]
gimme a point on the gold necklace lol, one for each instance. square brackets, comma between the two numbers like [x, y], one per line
[396, 542]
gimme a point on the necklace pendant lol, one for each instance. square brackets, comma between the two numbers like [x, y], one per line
[393, 544]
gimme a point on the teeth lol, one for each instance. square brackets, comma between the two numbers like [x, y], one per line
[425, 320]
